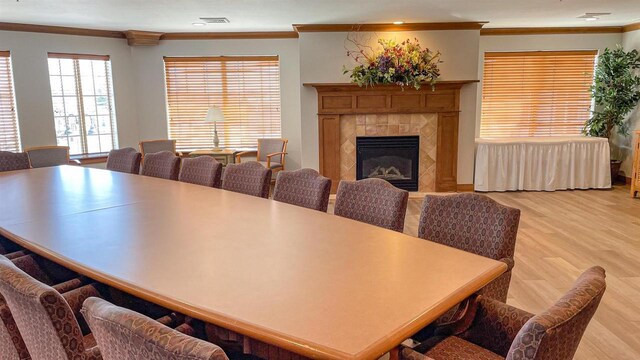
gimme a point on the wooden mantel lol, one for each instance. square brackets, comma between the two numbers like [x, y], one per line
[336, 99]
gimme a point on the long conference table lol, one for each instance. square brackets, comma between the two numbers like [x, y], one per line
[312, 283]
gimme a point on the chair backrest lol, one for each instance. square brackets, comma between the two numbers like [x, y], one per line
[123, 334]
[154, 146]
[373, 201]
[10, 161]
[249, 178]
[126, 160]
[163, 164]
[45, 156]
[47, 324]
[304, 187]
[470, 222]
[201, 170]
[272, 146]
[556, 332]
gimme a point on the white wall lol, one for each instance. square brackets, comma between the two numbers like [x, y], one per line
[322, 56]
[33, 93]
[150, 86]
[630, 40]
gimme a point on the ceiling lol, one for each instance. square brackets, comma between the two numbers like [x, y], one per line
[273, 15]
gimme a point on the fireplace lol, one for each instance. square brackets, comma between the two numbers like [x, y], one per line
[392, 158]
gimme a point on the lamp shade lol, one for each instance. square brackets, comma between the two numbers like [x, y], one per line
[214, 114]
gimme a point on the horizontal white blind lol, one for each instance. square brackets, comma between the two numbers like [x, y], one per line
[543, 93]
[9, 136]
[247, 89]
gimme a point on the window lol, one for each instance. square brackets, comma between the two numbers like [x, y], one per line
[83, 108]
[9, 135]
[247, 89]
[544, 93]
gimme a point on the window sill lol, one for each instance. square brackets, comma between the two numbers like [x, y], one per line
[89, 159]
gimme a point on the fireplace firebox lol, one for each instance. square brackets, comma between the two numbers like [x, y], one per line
[392, 158]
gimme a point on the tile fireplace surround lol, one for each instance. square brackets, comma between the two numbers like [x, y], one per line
[423, 125]
[346, 111]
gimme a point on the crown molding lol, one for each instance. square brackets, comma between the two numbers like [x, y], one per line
[552, 30]
[388, 27]
[631, 27]
[142, 38]
[62, 30]
[229, 35]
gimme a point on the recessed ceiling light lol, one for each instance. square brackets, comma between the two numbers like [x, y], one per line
[215, 20]
[590, 18]
[398, 22]
[198, 24]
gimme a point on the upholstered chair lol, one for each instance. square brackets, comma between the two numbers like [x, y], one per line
[10, 161]
[45, 319]
[473, 223]
[154, 146]
[271, 153]
[249, 178]
[126, 160]
[201, 170]
[123, 334]
[493, 330]
[373, 201]
[163, 164]
[45, 156]
[9, 249]
[304, 187]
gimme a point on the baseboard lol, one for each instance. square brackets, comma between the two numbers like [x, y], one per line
[465, 187]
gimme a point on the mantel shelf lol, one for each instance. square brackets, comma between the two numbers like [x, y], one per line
[453, 84]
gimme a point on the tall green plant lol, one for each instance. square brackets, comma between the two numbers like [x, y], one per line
[616, 91]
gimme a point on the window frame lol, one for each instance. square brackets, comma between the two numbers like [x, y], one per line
[548, 96]
[224, 97]
[84, 118]
[13, 112]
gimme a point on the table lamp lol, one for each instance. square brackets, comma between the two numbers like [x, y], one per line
[215, 115]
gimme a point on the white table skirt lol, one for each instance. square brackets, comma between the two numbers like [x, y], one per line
[548, 164]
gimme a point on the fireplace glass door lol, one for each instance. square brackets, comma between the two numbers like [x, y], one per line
[392, 158]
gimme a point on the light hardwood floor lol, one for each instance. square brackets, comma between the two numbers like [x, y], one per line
[560, 235]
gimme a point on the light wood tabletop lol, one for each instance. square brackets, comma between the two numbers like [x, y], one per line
[309, 282]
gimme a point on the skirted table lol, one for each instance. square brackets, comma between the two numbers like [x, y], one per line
[542, 163]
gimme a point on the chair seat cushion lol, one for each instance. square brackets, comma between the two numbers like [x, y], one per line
[274, 165]
[455, 348]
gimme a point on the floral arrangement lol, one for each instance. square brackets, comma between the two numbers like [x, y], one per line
[404, 64]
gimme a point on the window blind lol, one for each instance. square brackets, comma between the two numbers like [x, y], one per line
[246, 89]
[83, 104]
[544, 93]
[9, 135]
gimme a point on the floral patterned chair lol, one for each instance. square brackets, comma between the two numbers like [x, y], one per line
[163, 165]
[373, 201]
[473, 223]
[491, 330]
[249, 178]
[10, 161]
[304, 187]
[202, 170]
[46, 319]
[126, 160]
[123, 334]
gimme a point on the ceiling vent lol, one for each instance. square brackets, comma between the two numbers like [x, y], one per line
[215, 20]
[593, 16]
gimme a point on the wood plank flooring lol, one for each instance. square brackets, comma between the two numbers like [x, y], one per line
[560, 235]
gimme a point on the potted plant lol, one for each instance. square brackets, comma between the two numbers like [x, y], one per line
[616, 91]
[403, 64]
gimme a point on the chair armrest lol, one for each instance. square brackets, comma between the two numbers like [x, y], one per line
[269, 156]
[70, 285]
[407, 353]
[495, 325]
[245, 153]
